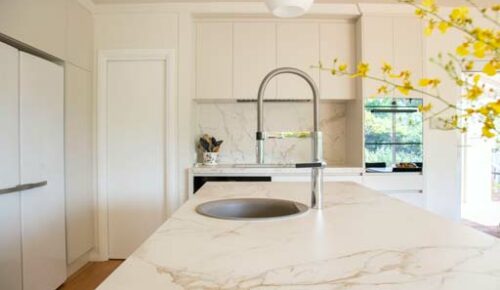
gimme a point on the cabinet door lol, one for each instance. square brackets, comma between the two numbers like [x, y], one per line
[337, 41]
[10, 211]
[42, 158]
[377, 47]
[254, 57]
[408, 51]
[78, 136]
[298, 46]
[214, 60]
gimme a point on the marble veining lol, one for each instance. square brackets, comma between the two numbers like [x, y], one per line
[362, 240]
[236, 123]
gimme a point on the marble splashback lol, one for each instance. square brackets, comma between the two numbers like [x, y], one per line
[236, 124]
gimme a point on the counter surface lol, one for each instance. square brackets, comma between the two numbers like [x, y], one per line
[361, 240]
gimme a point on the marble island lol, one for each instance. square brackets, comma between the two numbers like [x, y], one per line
[361, 240]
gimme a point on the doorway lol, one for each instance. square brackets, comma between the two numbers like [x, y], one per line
[136, 147]
[481, 173]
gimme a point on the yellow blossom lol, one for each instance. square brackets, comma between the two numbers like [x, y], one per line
[430, 28]
[430, 4]
[469, 65]
[382, 90]
[496, 7]
[386, 68]
[363, 69]
[405, 88]
[490, 68]
[443, 26]
[495, 107]
[486, 132]
[342, 67]
[460, 15]
[429, 82]
[479, 49]
[463, 49]
[425, 108]
[420, 13]
[474, 92]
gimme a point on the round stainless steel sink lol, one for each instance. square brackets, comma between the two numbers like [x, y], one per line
[251, 208]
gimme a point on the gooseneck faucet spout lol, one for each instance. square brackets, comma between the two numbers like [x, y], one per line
[316, 135]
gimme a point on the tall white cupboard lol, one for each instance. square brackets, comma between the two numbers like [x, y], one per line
[32, 211]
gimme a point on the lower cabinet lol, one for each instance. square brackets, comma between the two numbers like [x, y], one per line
[407, 187]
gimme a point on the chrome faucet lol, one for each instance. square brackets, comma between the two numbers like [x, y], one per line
[317, 137]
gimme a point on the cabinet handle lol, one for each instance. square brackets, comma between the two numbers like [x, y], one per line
[22, 187]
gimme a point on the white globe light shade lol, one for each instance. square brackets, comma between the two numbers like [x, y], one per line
[288, 8]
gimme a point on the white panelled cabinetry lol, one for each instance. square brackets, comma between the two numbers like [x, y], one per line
[254, 44]
[10, 204]
[297, 46]
[232, 58]
[32, 152]
[214, 61]
[395, 39]
[337, 41]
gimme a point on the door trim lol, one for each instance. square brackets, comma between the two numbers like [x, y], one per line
[171, 163]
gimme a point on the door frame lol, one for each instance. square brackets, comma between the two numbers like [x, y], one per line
[101, 252]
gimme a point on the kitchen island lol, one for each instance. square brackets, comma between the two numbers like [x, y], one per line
[361, 240]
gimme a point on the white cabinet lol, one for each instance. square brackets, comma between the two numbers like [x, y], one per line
[42, 159]
[297, 46]
[408, 47]
[10, 207]
[407, 187]
[396, 40]
[232, 58]
[214, 60]
[337, 41]
[32, 240]
[78, 162]
[254, 57]
[377, 47]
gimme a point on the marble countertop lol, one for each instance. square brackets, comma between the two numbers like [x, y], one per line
[361, 240]
[200, 169]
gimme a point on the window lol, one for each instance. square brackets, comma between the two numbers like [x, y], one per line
[393, 131]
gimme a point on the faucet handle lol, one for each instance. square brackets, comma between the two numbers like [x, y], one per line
[319, 164]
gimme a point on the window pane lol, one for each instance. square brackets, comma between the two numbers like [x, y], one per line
[378, 153]
[408, 153]
[408, 127]
[378, 127]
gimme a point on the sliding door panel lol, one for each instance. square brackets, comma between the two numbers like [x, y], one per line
[10, 212]
[42, 159]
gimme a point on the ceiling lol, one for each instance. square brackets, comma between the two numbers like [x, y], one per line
[440, 2]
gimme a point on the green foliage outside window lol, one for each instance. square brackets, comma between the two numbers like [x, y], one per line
[393, 130]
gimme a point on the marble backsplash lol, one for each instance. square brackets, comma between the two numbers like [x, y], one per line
[236, 123]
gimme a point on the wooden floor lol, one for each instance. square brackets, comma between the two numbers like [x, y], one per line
[91, 275]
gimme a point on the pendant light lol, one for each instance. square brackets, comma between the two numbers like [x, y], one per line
[288, 8]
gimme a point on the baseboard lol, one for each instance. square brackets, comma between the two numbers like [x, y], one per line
[79, 263]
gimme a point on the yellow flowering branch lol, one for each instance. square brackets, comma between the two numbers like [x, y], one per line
[479, 43]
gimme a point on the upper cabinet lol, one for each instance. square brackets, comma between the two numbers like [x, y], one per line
[214, 60]
[297, 46]
[396, 40]
[232, 58]
[337, 41]
[254, 56]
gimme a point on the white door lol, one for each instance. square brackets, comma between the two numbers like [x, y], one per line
[136, 132]
[42, 159]
[10, 211]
